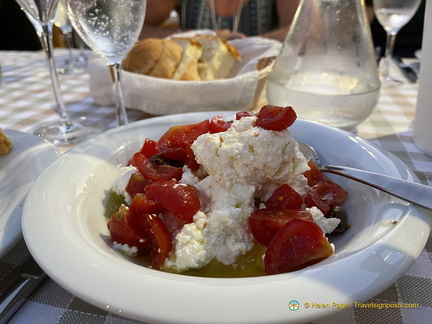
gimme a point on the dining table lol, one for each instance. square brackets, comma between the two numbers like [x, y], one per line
[26, 98]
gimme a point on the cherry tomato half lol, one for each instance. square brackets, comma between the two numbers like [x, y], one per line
[142, 205]
[173, 224]
[275, 118]
[179, 199]
[284, 197]
[265, 223]
[154, 171]
[313, 175]
[217, 125]
[298, 244]
[324, 195]
[136, 184]
[156, 232]
[172, 141]
[149, 148]
[120, 231]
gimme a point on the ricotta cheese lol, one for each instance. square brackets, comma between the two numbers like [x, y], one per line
[327, 225]
[239, 165]
[121, 182]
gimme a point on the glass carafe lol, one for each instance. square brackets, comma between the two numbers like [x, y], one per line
[327, 69]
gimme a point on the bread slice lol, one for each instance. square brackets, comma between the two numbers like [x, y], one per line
[187, 69]
[217, 59]
[155, 57]
[143, 56]
[199, 58]
[5, 143]
[170, 60]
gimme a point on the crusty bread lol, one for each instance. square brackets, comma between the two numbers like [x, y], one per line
[198, 58]
[143, 56]
[155, 57]
[217, 59]
[5, 143]
[188, 68]
[169, 61]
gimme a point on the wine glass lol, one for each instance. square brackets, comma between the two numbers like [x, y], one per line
[62, 21]
[392, 15]
[64, 131]
[110, 28]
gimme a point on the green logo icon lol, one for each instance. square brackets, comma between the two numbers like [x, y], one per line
[293, 305]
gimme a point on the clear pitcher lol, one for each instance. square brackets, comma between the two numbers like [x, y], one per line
[326, 69]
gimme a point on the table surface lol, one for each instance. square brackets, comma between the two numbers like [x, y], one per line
[26, 99]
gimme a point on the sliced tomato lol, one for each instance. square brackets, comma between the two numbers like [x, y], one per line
[175, 143]
[149, 148]
[156, 232]
[120, 231]
[190, 159]
[242, 114]
[217, 125]
[169, 147]
[154, 171]
[284, 197]
[179, 199]
[142, 205]
[298, 244]
[173, 224]
[314, 175]
[324, 195]
[265, 223]
[275, 118]
[177, 137]
[161, 241]
[136, 184]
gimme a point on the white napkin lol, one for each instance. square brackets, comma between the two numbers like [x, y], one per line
[160, 96]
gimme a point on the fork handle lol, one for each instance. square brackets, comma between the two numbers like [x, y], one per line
[415, 193]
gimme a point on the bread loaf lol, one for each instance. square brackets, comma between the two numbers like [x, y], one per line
[200, 58]
[5, 143]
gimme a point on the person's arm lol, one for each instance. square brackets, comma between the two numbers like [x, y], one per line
[286, 10]
[157, 13]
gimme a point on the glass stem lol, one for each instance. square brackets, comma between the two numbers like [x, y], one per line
[69, 45]
[120, 106]
[385, 62]
[83, 56]
[46, 41]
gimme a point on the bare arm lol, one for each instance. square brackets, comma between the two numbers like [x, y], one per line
[157, 13]
[286, 10]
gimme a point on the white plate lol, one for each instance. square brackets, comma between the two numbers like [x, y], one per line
[66, 231]
[19, 168]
